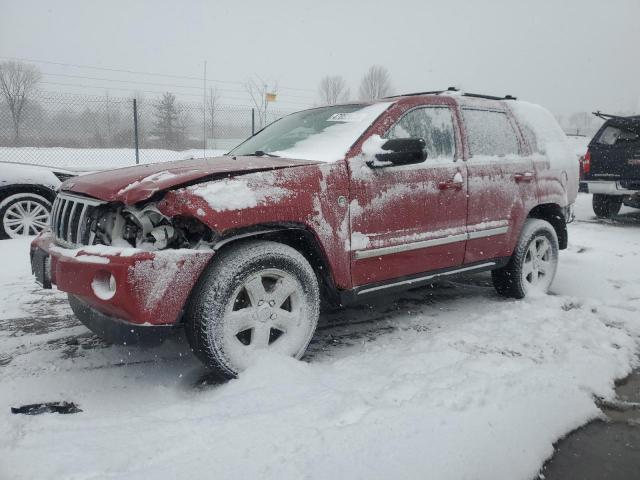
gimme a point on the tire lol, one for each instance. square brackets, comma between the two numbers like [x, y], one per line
[534, 262]
[23, 214]
[606, 206]
[255, 296]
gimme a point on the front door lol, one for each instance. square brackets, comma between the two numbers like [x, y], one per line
[410, 219]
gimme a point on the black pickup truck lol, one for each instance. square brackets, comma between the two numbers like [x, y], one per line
[611, 166]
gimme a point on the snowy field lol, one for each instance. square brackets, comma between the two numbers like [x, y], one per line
[91, 159]
[448, 382]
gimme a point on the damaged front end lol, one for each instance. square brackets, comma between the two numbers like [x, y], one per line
[123, 266]
[80, 221]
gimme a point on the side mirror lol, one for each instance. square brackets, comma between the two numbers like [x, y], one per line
[401, 151]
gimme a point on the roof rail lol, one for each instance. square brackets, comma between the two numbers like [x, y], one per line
[454, 89]
[433, 92]
[489, 97]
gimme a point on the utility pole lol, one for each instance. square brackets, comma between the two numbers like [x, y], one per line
[135, 130]
[266, 104]
[204, 112]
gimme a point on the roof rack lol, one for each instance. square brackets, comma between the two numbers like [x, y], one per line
[606, 116]
[433, 92]
[454, 89]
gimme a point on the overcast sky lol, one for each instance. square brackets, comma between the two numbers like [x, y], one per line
[574, 55]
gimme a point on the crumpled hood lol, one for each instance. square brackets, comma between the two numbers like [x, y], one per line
[135, 184]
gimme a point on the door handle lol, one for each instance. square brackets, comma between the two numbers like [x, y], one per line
[523, 177]
[450, 185]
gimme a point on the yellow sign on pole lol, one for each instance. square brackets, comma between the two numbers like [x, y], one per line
[270, 97]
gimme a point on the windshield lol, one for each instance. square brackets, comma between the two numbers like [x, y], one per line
[323, 134]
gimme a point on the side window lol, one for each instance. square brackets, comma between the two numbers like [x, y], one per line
[613, 135]
[433, 124]
[532, 139]
[490, 133]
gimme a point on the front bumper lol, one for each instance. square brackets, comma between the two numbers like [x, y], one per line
[606, 187]
[141, 288]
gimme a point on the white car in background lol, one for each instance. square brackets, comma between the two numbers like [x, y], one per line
[26, 196]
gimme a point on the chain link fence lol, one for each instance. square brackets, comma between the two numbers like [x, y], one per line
[85, 132]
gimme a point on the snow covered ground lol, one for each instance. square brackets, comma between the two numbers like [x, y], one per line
[90, 159]
[444, 382]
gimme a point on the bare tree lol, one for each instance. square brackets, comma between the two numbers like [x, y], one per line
[211, 110]
[375, 84]
[17, 82]
[258, 89]
[333, 89]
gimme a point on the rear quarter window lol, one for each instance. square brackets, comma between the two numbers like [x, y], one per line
[490, 133]
[542, 132]
[612, 135]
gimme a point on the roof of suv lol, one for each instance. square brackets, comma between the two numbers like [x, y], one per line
[464, 99]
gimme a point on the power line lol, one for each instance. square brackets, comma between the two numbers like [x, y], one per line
[134, 72]
[157, 92]
[191, 87]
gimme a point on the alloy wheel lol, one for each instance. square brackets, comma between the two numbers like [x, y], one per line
[539, 264]
[266, 313]
[25, 217]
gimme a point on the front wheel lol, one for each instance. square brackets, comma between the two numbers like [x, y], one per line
[606, 206]
[257, 296]
[534, 262]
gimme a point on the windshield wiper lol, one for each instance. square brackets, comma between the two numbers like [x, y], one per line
[262, 153]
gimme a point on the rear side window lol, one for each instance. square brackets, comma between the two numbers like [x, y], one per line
[490, 133]
[614, 136]
[433, 124]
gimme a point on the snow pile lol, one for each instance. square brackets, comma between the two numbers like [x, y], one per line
[236, 194]
[333, 143]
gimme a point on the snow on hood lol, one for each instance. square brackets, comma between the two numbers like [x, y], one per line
[134, 184]
[236, 194]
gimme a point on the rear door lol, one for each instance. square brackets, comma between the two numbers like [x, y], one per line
[502, 187]
[410, 219]
[615, 151]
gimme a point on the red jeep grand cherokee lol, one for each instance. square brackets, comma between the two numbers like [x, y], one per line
[335, 203]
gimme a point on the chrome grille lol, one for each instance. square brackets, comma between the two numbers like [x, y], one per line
[70, 218]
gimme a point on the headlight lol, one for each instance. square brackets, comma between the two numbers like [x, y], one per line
[147, 228]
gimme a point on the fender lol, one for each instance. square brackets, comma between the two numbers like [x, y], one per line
[306, 198]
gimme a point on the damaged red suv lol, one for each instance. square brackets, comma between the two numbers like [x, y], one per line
[331, 204]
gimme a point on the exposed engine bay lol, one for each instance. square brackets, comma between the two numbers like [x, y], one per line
[148, 229]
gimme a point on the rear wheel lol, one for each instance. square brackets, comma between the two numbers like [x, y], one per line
[606, 206]
[23, 214]
[533, 264]
[258, 296]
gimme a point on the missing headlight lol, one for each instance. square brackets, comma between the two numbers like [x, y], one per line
[148, 229]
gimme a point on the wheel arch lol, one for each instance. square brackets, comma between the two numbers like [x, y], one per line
[554, 214]
[41, 190]
[298, 237]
